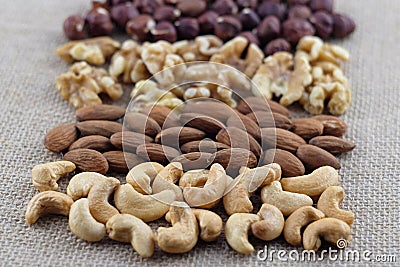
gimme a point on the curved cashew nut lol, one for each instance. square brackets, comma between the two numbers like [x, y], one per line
[141, 176]
[80, 185]
[194, 178]
[271, 224]
[166, 179]
[237, 230]
[45, 176]
[237, 197]
[211, 193]
[329, 203]
[330, 229]
[82, 223]
[98, 199]
[286, 202]
[183, 234]
[297, 220]
[312, 184]
[47, 202]
[145, 207]
[130, 229]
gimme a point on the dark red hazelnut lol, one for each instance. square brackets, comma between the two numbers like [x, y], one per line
[300, 12]
[99, 22]
[297, 2]
[277, 45]
[118, 2]
[167, 13]
[139, 27]
[326, 5]
[248, 18]
[294, 29]
[74, 27]
[164, 30]
[122, 13]
[251, 37]
[227, 27]
[191, 8]
[323, 24]
[247, 3]
[343, 25]
[225, 7]
[148, 6]
[187, 28]
[101, 3]
[271, 9]
[207, 22]
[269, 29]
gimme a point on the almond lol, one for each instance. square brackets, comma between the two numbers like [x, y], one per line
[269, 120]
[233, 159]
[314, 157]
[99, 127]
[120, 162]
[141, 123]
[253, 103]
[307, 128]
[95, 142]
[244, 123]
[332, 125]
[282, 139]
[156, 152]
[213, 109]
[129, 141]
[176, 136]
[162, 115]
[237, 138]
[194, 160]
[61, 137]
[332, 144]
[204, 123]
[290, 164]
[88, 160]
[208, 146]
[99, 112]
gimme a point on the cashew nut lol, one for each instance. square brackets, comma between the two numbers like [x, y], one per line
[237, 230]
[47, 202]
[166, 179]
[45, 176]
[330, 229]
[271, 224]
[312, 184]
[145, 207]
[297, 220]
[141, 176]
[286, 202]
[82, 223]
[130, 229]
[194, 178]
[183, 234]
[329, 203]
[211, 193]
[80, 185]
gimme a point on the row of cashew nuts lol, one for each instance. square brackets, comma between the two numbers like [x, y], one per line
[151, 192]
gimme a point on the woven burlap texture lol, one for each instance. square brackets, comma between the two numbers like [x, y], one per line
[30, 32]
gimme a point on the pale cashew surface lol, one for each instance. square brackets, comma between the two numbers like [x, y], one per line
[45, 176]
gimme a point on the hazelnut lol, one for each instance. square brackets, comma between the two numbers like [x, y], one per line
[271, 9]
[167, 13]
[277, 45]
[251, 37]
[164, 30]
[326, 5]
[294, 29]
[74, 27]
[148, 6]
[99, 22]
[139, 27]
[207, 22]
[248, 18]
[247, 3]
[342, 25]
[225, 7]
[170, 2]
[227, 27]
[117, 2]
[269, 29]
[188, 28]
[192, 8]
[297, 2]
[122, 13]
[299, 11]
[101, 3]
[323, 24]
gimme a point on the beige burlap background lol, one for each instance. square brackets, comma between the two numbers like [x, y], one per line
[29, 33]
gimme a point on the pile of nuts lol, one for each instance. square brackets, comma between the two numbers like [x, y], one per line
[273, 25]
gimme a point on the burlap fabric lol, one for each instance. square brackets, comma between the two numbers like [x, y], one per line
[30, 32]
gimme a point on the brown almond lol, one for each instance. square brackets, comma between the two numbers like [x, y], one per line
[204, 123]
[314, 157]
[99, 112]
[162, 115]
[141, 123]
[213, 109]
[194, 160]
[332, 144]
[244, 123]
[307, 128]
[129, 141]
[270, 119]
[253, 103]
[120, 162]
[99, 127]
[282, 139]
[95, 142]
[88, 160]
[156, 152]
[233, 159]
[61, 137]
[237, 138]
[207, 146]
[176, 136]
[290, 164]
[332, 125]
